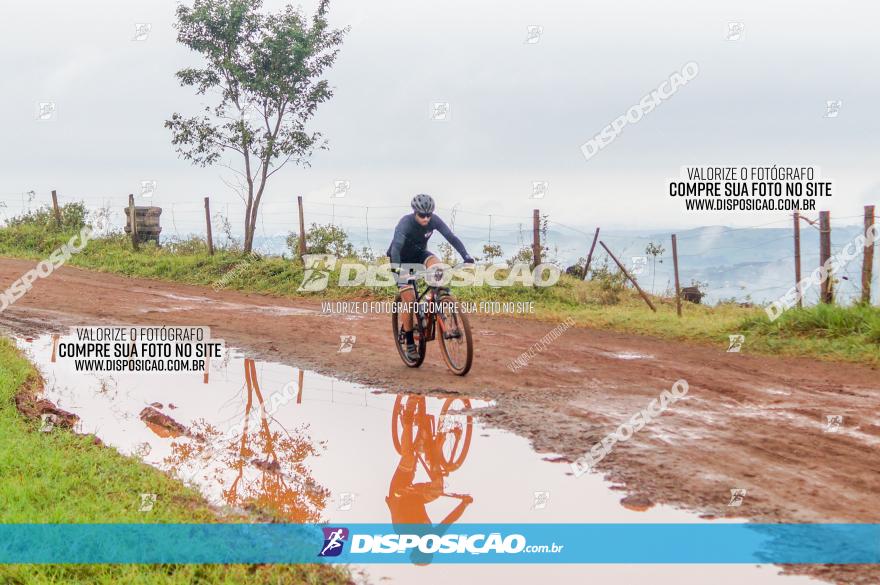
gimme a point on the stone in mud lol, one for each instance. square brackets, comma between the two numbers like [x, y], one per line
[637, 503]
[62, 418]
[162, 424]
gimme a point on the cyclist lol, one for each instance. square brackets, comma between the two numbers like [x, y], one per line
[410, 246]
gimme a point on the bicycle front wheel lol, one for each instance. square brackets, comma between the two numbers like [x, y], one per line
[454, 433]
[456, 341]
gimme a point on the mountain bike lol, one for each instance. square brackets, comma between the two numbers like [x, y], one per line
[437, 312]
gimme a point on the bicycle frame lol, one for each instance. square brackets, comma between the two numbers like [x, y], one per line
[429, 329]
[426, 329]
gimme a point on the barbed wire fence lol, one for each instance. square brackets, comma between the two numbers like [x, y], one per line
[747, 264]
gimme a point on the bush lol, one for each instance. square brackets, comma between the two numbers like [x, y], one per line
[576, 270]
[525, 255]
[491, 252]
[611, 283]
[323, 239]
[73, 217]
[189, 246]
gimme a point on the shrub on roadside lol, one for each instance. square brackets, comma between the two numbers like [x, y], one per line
[611, 283]
[73, 217]
[323, 239]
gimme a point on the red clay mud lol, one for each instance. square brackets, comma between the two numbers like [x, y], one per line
[752, 422]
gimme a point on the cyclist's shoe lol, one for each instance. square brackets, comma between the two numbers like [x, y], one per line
[412, 352]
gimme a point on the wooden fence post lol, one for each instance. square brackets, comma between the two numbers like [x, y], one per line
[797, 259]
[827, 292]
[208, 222]
[631, 279]
[302, 227]
[590, 254]
[675, 265]
[536, 236]
[55, 207]
[132, 218]
[868, 258]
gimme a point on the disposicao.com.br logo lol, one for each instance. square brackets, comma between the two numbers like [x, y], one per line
[334, 542]
[319, 267]
[473, 544]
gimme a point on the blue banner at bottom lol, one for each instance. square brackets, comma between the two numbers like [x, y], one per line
[456, 543]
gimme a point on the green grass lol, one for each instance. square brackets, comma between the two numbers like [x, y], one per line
[60, 477]
[846, 333]
[829, 333]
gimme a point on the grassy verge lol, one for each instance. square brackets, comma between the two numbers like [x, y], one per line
[849, 334]
[60, 477]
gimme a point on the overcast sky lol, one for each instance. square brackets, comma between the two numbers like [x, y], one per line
[519, 111]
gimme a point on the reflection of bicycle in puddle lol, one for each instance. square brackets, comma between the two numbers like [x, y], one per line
[438, 446]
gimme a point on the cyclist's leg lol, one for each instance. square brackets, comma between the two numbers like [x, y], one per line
[407, 291]
[408, 296]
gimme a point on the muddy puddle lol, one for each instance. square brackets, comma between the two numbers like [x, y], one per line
[310, 448]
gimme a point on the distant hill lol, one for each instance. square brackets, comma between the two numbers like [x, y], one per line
[743, 264]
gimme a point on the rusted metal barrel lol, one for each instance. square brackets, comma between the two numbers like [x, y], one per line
[147, 222]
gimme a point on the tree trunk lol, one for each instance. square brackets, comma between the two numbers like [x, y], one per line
[249, 230]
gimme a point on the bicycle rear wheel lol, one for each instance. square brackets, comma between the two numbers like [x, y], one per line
[400, 340]
[456, 342]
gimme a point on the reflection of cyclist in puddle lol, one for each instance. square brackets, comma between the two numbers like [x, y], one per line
[440, 450]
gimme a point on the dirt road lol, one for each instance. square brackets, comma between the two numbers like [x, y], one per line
[757, 423]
